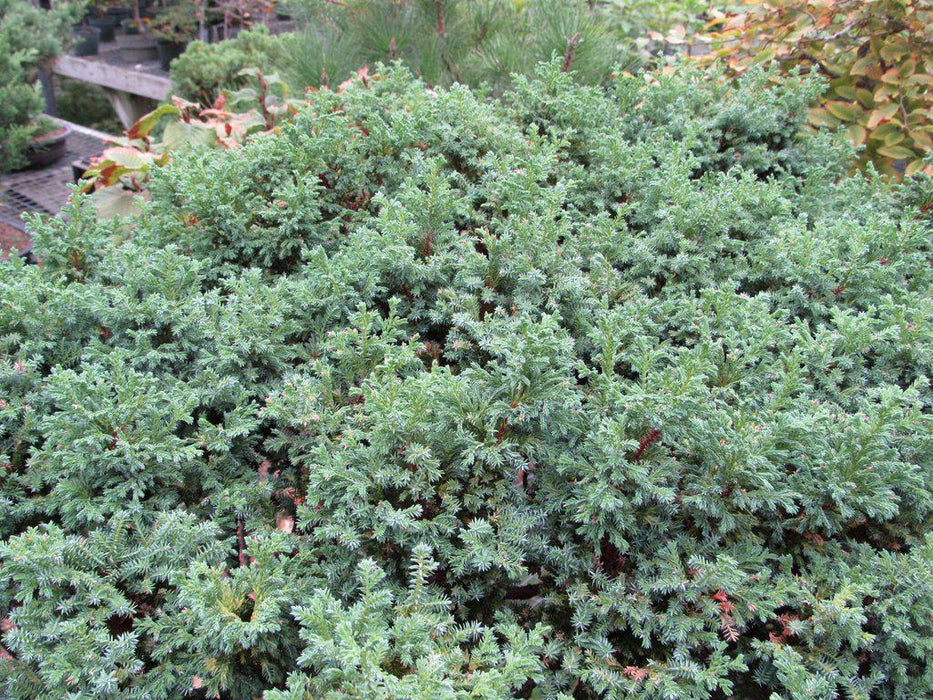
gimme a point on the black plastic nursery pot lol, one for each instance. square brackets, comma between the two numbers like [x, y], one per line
[86, 41]
[48, 148]
[79, 168]
[105, 24]
[169, 51]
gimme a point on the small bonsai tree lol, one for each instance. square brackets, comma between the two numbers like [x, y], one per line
[204, 70]
[29, 36]
[176, 24]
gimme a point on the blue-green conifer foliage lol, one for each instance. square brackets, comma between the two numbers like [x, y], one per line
[588, 393]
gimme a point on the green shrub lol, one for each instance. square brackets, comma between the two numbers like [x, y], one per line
[585, 394]
[204, 70]
[20, 102]
[86, 104]
[442, 42]
[28, 36]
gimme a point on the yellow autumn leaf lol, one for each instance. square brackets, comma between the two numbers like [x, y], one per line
[891, 76]
[857, 134]
[881, 114]
[896, 152]
[846, 111]
[895, 47]
[894, 137]
[914, 167]
[861, 66]
[865, 97]
[845, 91]
[919, 79]
[922, 138]
[907, 68]
[820, 117]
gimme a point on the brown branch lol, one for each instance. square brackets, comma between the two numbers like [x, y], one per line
[267, 115]
[570, 52]
[441, 27]
[504, 423]
[652, 437]
[241, 541]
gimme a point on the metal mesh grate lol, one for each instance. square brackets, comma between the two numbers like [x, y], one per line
[46, 190]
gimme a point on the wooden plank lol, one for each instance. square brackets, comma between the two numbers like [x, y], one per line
[129, 108]
[116, 78]
[101, 136]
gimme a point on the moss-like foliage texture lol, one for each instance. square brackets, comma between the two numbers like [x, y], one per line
[587, 394]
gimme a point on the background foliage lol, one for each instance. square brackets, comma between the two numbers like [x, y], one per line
[588, 393]
[876, 54]
[28, 36]
[441, 41]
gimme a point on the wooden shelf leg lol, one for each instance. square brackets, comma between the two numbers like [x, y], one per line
[129, 108]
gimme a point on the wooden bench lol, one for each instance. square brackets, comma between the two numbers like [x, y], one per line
[131, 91]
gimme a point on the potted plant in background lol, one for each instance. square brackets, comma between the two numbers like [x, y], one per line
[173, 27]
[105, 16]
[137, 44]
[29, 38]
[86, 40]
[232, 17]
[49, 143]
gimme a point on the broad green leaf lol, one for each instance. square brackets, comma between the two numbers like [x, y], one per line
[857, 134]
[129, 158]
[147, 123]
[181, 135]
[861, 66]
[914, 167]
[820, 117]
[922, 138]
[881, 114]
[847, 111]
[111, 202]
[896, 152]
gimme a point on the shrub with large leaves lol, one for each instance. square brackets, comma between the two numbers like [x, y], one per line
[588, 393]
[876, 54]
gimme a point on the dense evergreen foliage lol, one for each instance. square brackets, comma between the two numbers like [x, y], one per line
[441, 41]
[204, 71]
[586, 394]
[28, 36]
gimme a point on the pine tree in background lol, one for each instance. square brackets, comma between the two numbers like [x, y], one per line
[441, 41]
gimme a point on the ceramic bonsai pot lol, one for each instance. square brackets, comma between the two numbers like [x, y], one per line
[79, 167]
[48, 148]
